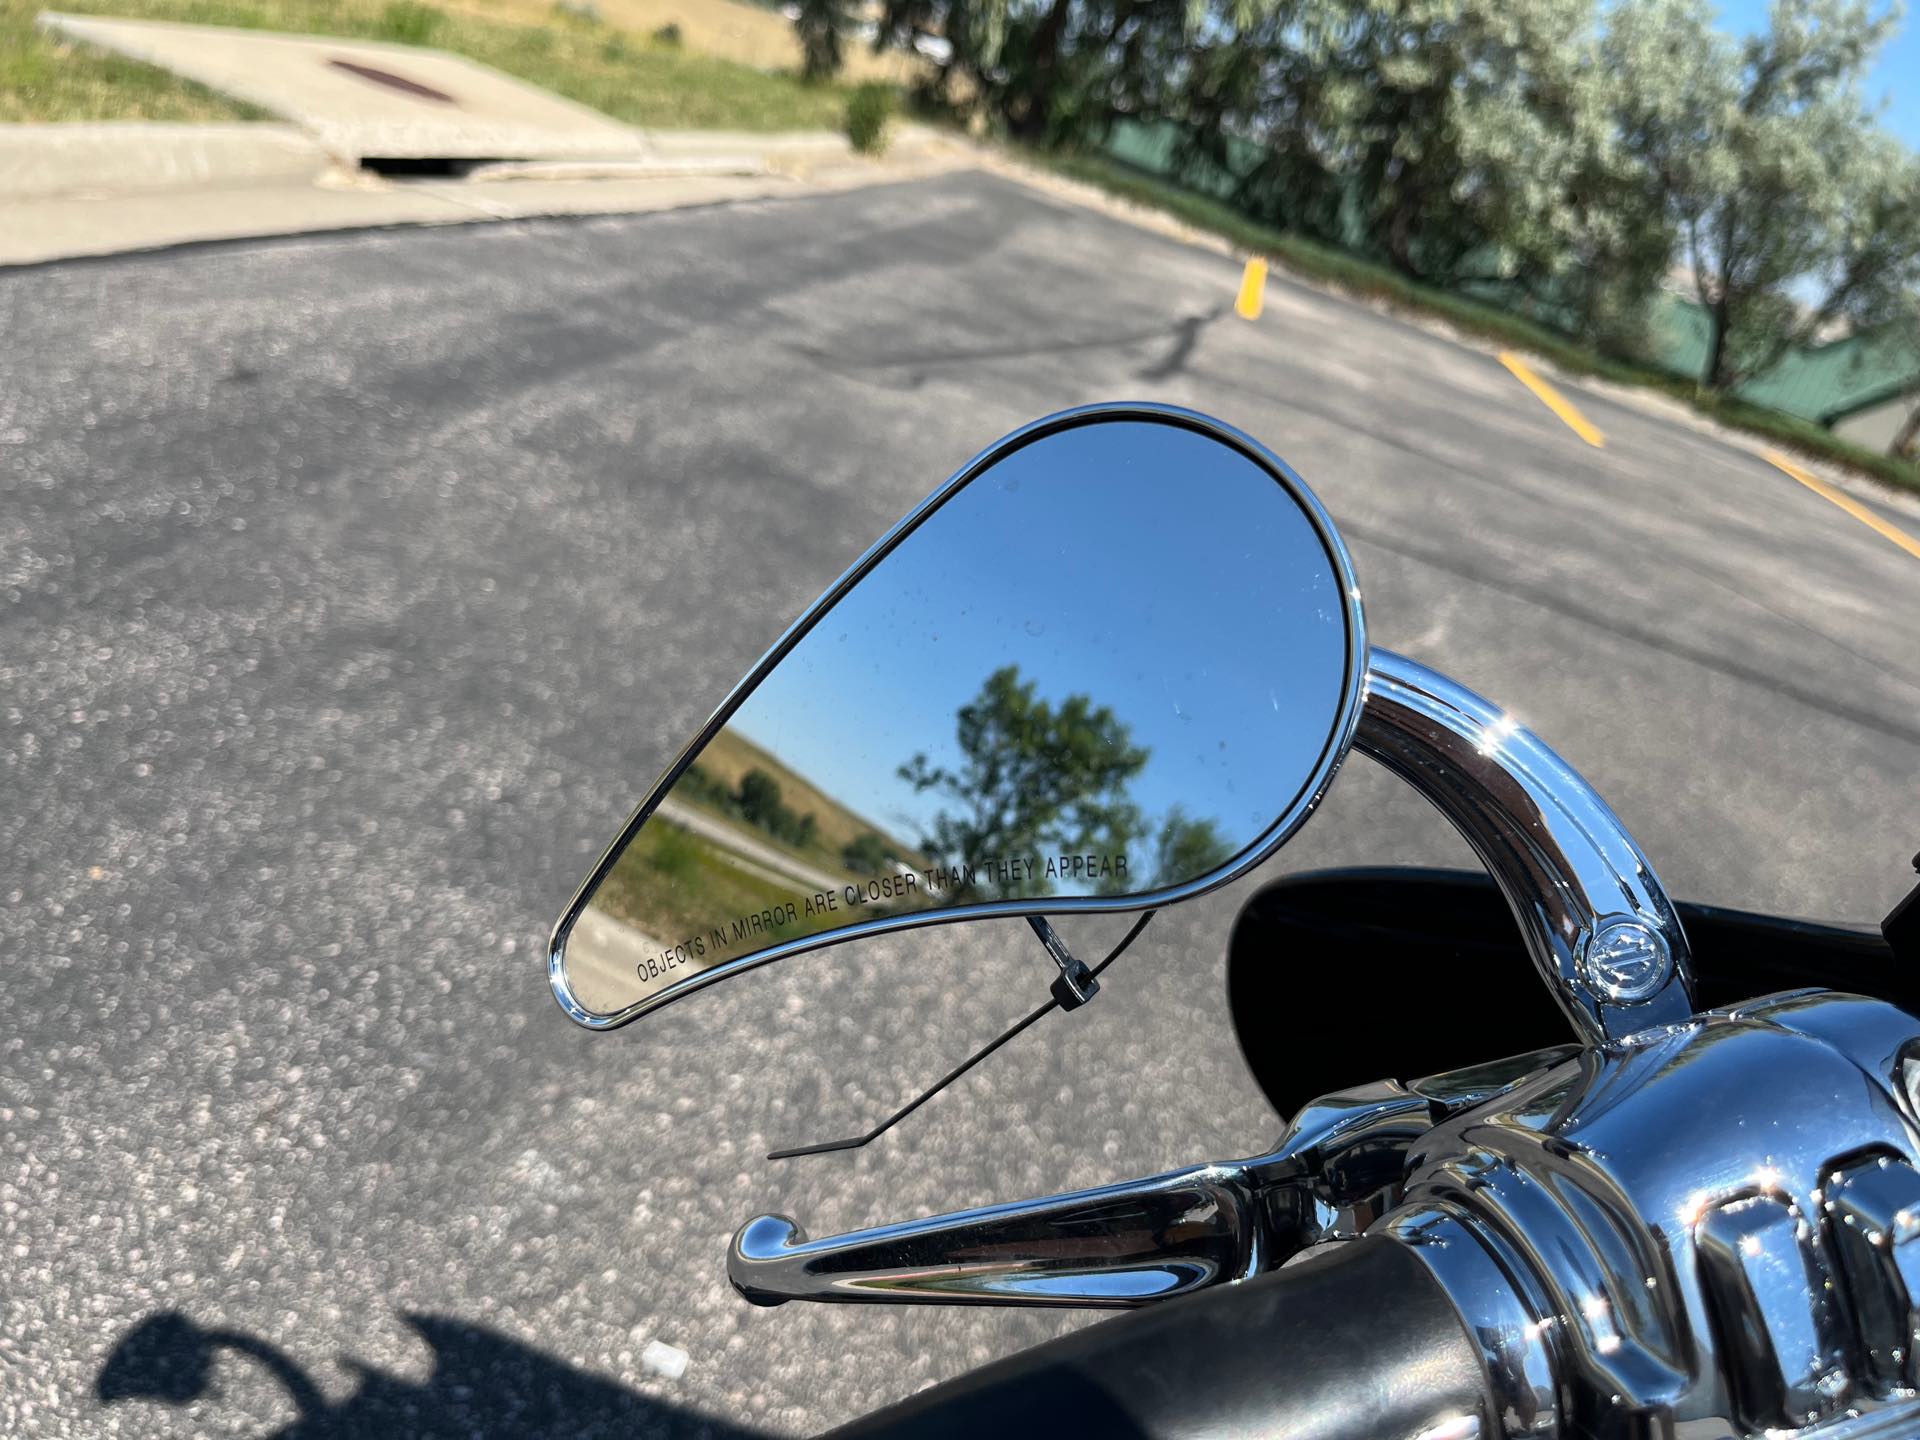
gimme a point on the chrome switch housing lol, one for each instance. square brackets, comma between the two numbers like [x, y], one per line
[1873, 1215]
[1774, 1312]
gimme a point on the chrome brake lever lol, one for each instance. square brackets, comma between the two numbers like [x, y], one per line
[1119, 1245]
[1115, 1245]
[1339, 1166]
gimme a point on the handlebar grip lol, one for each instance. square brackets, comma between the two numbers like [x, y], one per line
[1360, 1343]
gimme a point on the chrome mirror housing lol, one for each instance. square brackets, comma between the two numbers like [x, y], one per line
[1114, 662]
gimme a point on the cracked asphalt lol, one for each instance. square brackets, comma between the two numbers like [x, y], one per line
[352, 588]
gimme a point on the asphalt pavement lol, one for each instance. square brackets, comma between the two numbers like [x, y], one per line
[352, 588]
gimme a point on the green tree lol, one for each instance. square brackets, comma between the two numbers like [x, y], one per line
[1795, 211]
[865, 855]
[821, 26]
[758, 802]
[1460, 140]
[1557, 209]
[1032, 777]
[1256, 96]
[1047, 71]
[967, 34]
[759, 799]
[1186, 849]
[1560, 152]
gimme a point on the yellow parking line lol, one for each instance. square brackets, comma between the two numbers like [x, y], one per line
[1553, 400]
[1253, 289]
[1847, 503]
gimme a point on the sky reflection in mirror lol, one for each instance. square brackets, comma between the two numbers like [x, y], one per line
[1106, 666]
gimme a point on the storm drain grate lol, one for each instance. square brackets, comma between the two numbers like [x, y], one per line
[393, 81]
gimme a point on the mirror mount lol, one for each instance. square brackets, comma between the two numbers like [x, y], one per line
[1594, 916]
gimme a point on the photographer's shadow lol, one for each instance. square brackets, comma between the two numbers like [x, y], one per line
[482, 1385]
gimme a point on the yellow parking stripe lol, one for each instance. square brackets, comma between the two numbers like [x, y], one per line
[1253, 289]
[1553, 400]
[1847, 503]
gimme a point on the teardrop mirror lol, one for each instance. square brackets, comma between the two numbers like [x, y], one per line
[1112, 663]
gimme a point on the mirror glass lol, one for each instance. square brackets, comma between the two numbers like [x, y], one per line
[1117, 658]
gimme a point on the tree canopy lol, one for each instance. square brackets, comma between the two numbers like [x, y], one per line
[1566, 154]
[1032, 778]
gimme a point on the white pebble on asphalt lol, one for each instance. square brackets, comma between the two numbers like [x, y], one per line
[667, 1361]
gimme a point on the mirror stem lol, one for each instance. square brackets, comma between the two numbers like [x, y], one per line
[1594, 916]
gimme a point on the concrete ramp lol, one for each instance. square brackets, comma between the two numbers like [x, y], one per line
[362, 100]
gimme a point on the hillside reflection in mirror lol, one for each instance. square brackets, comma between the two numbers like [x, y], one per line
[1105, 667]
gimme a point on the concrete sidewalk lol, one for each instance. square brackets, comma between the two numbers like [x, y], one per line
[362, 98]
[78, 190]
[356, 113]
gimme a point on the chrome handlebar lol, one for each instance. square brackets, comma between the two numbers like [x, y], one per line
[1707, 1229]
[1688, 1223]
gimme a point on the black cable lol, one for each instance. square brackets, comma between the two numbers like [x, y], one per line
[1125, 940]
[856, 1141]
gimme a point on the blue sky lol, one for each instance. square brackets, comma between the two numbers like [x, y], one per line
[1895, 79]
[1138, 564]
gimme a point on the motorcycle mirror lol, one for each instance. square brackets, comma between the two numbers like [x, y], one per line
[1114, 662]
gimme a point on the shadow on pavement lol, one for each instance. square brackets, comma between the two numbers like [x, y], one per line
[482, 1385]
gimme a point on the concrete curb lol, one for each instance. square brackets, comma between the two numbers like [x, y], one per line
[46, 161]
[98, 189]
[903, 139]
[86, 223]
[661, 169]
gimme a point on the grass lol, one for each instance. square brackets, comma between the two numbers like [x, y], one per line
[43, 79]
[1373, 281]
[629, 77]
[748, 34]
[730, 755]
[674, 885]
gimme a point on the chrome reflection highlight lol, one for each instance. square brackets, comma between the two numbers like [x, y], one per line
[1120, 1246]
[1517, 1350]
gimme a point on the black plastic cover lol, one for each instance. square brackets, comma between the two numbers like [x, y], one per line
[1417, 971]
